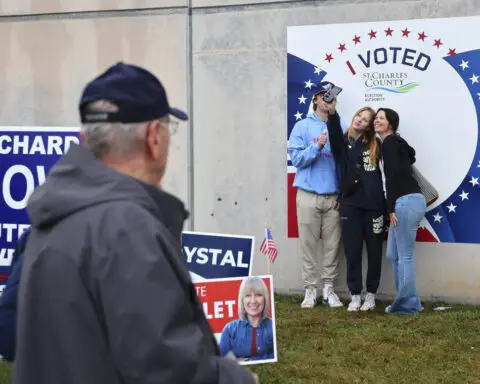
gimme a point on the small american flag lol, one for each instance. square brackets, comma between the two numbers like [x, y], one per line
[268, 246]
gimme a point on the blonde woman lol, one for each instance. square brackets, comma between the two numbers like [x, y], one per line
[362, 201]
[251, 336]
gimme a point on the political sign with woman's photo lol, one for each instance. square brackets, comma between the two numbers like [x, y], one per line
[241, 313]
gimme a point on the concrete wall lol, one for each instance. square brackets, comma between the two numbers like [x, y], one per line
[240, 96]
[47, 59]
[235, 179]
[32, 7]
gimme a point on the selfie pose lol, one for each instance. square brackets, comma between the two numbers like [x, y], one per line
[406, 207]
[362, 201]
[317, 190]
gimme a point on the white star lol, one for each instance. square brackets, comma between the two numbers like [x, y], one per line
[298, 115]
[317, 71]
[302, 99]
[437, 218]
[478, 94]
[478, 166]
[308, 84]
[464, 64]
[474, 79]
[451, 208]
[464, 195]
[474, 181]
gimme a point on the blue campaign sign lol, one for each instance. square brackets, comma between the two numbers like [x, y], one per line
[214, 255]
[26, 156]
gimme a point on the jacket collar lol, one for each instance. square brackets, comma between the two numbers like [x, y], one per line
[171, 210]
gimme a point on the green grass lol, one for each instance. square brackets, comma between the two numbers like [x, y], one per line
[6, 371]
[326, 345]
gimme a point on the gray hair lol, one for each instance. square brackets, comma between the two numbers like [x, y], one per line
[257, 285]
[113, 139]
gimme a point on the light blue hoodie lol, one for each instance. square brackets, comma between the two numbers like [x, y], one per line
[316, 170]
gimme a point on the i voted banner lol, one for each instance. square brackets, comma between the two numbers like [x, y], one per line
[215, 255]
[27, 154]
[231, 310]
[428, 70]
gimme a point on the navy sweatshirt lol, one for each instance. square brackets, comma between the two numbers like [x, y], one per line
[8, 302]
[398, 157]
[360, 180]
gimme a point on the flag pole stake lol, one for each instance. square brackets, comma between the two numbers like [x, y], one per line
[266, 257]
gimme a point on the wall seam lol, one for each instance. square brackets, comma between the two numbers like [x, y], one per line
[91, 14]
[218, 8]
[190, 132]
[258, 3]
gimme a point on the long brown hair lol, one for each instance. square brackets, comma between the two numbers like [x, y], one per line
[369, 135]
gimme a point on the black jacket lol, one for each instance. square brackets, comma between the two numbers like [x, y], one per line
[360, 180]
[105, 295]
[398, 157]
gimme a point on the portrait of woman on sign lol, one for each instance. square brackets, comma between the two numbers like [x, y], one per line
[250, 337]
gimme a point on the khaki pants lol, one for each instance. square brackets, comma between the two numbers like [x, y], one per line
[316, 215]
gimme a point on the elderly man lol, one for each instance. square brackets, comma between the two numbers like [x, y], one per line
[105, 295]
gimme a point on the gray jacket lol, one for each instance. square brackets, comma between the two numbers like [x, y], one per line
[105, 295]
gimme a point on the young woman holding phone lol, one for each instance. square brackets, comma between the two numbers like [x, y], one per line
[362, 201]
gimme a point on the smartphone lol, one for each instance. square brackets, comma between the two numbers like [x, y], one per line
[332, 94]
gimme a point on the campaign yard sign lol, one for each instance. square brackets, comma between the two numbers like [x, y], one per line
[215, 255]
[219, 298]
[27, 154]
[422, 68]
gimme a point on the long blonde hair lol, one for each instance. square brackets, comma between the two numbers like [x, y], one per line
[369, 135]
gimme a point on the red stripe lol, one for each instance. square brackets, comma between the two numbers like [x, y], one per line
[263, 244]
[272, 254]
[292, 207]
[351, 68]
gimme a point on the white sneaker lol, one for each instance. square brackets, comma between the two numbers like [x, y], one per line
[310, 298]
[355, 304]
[330, 297]
[369, 303]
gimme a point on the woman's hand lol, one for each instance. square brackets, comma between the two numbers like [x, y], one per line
[332, 107]
[393, 219]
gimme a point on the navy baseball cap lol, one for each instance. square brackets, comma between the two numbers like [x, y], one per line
[323, 87]
[139, 95]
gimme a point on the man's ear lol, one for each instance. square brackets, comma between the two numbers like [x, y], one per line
[152, 138]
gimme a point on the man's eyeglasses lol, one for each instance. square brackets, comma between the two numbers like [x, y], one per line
[171, 125]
